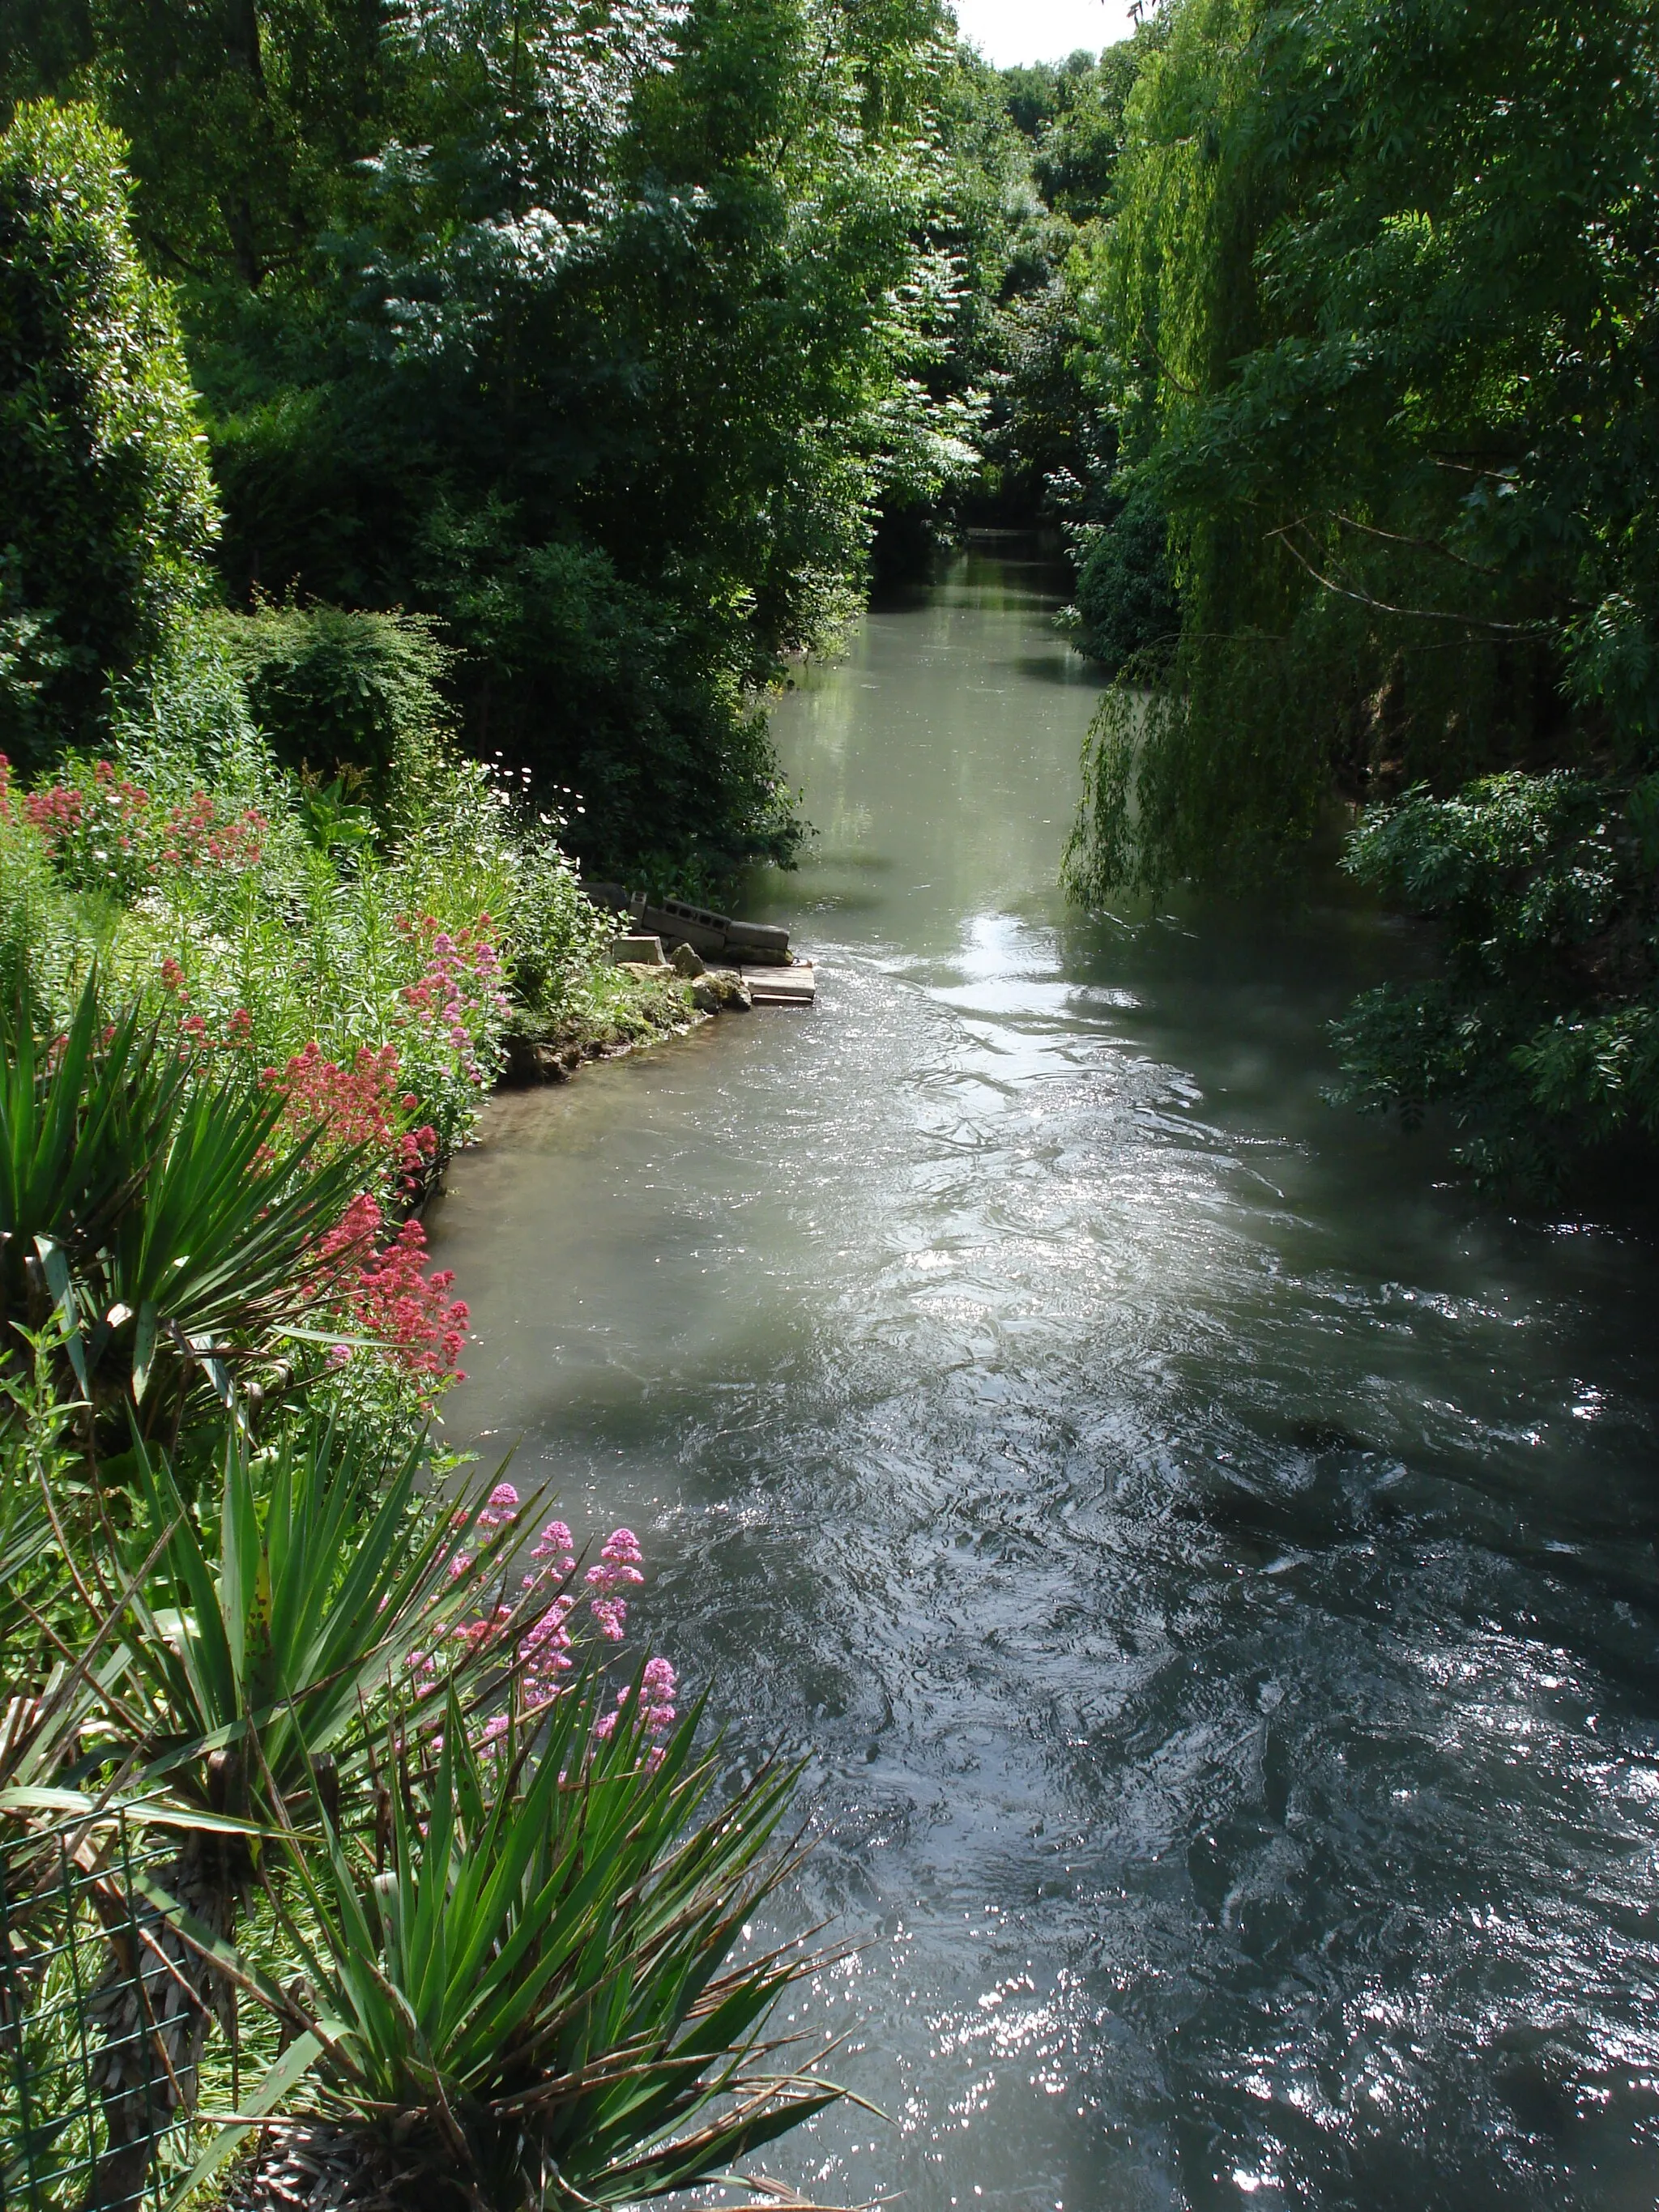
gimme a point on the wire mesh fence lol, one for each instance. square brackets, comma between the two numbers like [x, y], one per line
[73, 1924]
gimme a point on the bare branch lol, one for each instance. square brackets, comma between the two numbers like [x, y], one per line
[1409, 614]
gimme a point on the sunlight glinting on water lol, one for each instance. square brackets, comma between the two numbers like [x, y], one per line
[1207, 1563]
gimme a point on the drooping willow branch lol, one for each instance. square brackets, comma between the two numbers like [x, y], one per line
[1536, 628]
[1419, 544]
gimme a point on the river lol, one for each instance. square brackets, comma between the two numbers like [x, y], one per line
[1207, 1560]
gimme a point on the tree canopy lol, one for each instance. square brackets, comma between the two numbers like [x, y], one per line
[590, 332]
[1374, 319]
[610, 348]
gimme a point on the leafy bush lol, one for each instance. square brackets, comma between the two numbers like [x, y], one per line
[556, 938]
[185, 726]
[256, 1633]
[342, 696]
[1126, 602]
[266, 1615]
[50, 1641]
[258, 917]
[29, 898]
[248, 933]
[110, 834]
[106, 508]
[1541, 1033]
[142, 1200]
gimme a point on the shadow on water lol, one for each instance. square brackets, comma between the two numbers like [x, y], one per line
[1208, 1561]
[1062, 666]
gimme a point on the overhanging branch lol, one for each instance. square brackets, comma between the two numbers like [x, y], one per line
[1407, 614]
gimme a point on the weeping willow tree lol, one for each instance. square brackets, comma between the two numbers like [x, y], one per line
[1378, 319]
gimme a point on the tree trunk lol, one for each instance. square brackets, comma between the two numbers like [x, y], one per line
[152, 2010]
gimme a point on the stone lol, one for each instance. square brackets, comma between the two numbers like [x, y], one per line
[720, 990]
[678, 924]
[687, 962]
[538, 1060]
[632, 951]
[765, 938]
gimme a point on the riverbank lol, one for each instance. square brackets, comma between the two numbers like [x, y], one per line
[364, 964]
[377, 968]
[441, 929]
[221, 1359]
[658, 984]
[245, 1022]
[608, 1013]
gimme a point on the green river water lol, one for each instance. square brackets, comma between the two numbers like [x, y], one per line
[1207, 1560]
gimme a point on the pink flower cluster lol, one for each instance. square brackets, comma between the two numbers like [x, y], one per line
[237, 1036]
[542, 1625]
[362, 1104]
[617, 1567]
[460, 983]
[112, 827]
[378, 1290]
[657, 1689]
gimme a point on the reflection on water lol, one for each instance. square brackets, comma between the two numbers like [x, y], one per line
[1209, 1565]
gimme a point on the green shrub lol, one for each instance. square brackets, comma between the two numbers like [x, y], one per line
[554, 937]
[31, 906]
[195, 866]
[106, 507]
[1540, 1035]
[258, 1626]
[1126, 603]
[186, 726]
[342, 696]
[155, 1209]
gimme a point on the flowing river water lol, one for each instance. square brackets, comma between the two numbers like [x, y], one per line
[1207, 1561]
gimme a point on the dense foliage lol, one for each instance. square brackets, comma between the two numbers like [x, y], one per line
[593, 334]
[562, 372]
[1373, 316]
[261, 946]
[106, 506]
[1028, 158]
[390, 1758]
[349, 698]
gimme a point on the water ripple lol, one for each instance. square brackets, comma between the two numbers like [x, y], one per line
[1210, 1567]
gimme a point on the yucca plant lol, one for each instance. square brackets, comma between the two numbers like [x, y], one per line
[81, 1118]
[252, 1648]
[147, 1202]
[525, 1993]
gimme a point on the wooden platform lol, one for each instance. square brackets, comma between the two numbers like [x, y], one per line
[796, 985]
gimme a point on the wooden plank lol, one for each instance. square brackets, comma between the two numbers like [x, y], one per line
[782, 986]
